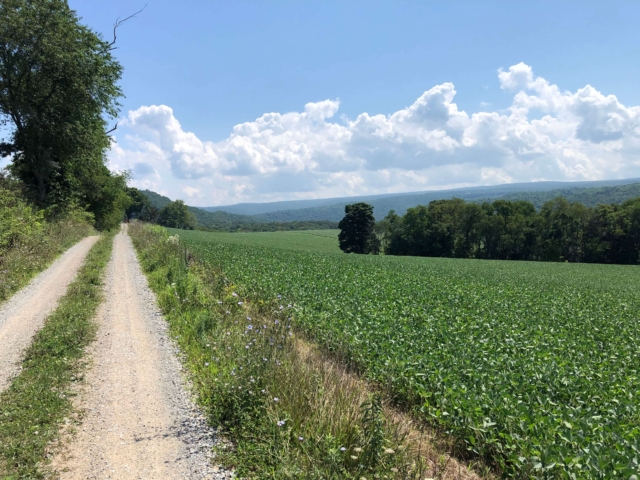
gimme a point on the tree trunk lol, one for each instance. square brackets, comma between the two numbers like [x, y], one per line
[41, 189]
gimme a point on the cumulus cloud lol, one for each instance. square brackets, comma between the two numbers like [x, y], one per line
[191, 192]
[546, 133]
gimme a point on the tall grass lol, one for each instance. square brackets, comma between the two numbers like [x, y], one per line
[290, 411]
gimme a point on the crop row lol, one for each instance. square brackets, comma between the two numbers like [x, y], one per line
[532, 366]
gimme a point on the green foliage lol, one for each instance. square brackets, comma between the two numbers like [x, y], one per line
[506, 230]
[18, 220]
[373, 432]
[30, 239]
[157, 200]
[177, 215]
[34, 407]
[141, 207]
[356, 230]
[58, 88]
[533, 366]
[289, 417]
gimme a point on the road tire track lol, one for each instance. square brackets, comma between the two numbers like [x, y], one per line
[139, 420]
[26, 311]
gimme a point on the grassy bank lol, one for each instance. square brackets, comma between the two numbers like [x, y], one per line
[28, 241]
[32, 409]
[290, 412]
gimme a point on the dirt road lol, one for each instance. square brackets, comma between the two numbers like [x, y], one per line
[139, 420]
[26, 311]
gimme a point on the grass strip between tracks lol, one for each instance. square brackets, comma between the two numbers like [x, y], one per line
[289, 411]
[34, 407]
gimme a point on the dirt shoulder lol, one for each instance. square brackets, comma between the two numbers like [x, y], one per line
[139, 420]
[24, 313]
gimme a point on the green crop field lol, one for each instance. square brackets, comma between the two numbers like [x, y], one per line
[534, 366]
[325, 241]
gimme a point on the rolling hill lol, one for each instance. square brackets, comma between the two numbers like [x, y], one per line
[589, 193]
[323, 213]
[409, 199]
[225, 221]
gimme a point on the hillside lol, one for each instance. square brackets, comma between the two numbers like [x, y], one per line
[326, 208]
[587, 196]
[332, 209]
[588, 193]
[214, 220]
[157, 200]
[224, 221]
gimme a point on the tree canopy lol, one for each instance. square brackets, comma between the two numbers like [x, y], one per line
[357, 230]
[505, 230]
[58, 91]
[177, 215]
[141, 207]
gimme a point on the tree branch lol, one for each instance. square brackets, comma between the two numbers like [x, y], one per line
[112, 130]
[120, 22]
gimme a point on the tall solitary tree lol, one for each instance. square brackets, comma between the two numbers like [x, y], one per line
[58, 93]
[357, 230]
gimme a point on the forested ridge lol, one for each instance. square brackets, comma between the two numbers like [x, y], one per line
[229, 222]
[515, 230]
[536, 192]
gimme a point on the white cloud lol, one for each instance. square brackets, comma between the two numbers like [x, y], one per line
[191, 192]
[545, 134]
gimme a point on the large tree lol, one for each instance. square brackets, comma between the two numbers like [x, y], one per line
[58, 92]
[177, 215]
[357, 230]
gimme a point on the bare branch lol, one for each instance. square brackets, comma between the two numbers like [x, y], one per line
[113, 129]
[120, 22]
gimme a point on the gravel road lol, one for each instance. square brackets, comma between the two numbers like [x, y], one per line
[25, 312]
[139, 420]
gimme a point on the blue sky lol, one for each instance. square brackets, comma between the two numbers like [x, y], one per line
[401, 96]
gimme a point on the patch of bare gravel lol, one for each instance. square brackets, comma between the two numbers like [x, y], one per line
[25, 312]
[139, 420]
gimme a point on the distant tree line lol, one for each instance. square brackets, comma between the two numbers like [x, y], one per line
[561, 231]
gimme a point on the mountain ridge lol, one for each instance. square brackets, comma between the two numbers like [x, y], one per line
[467, 193]
[332, 209]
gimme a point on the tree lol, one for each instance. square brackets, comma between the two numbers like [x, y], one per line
[58, 90]
[382, 230]
[467, 244]
[177, 215]
[395, 239]
[562, 228]
[514, 230]
[141, 207]
[357, 230]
